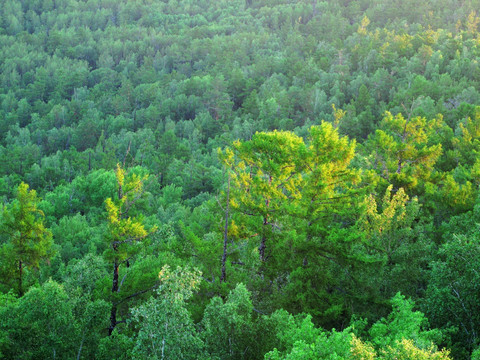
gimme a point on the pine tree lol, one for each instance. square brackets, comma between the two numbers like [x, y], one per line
[28, 240]
[124, 232]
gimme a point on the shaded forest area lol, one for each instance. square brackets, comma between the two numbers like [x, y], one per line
[229, 179]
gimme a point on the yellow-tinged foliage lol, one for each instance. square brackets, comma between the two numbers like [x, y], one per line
[403, 149]
[112, 211]
[279, 173]
[362, 28]
[460, 196]
[338, 114]
[124, 229]
[402, 350]
[472, 22]
[120, 174]
[406, 350]
[179, 284]
[393, 211]
[467, 143]
[28, 240]
[360, 350]
[476, 172]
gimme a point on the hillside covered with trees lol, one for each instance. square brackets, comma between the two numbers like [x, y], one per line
[239, 179]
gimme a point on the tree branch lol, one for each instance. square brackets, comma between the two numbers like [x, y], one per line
[136, 294]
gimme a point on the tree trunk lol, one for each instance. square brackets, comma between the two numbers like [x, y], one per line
[81, 346]
[225, 234]
[263, 245]
[314, 6]
[113, 319]
[399, 167]
[113, 312]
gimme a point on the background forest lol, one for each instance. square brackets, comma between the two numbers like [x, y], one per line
[239, 179]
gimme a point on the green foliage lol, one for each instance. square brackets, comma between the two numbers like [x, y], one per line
[124, 231]
[76, 237]
[82, 280]
[467, 142]
[398, 247]
[402, 149]
[299, 339]
[41, 324]
[318, 223]
[452, 295]
[475, 354]
[124, 237]
[403, 323]
[115, 347]
[28, 241]
[286, 195]
[265, 173]
[400, 336]
[228, 328]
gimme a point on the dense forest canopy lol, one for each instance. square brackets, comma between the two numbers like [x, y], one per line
[239, 179]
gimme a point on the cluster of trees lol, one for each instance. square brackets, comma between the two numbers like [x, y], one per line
[239, 179]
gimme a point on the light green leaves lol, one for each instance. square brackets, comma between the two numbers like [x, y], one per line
[166, 329]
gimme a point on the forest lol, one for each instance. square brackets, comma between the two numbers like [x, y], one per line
[240, 179]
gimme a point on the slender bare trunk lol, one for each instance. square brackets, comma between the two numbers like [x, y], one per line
[163, 341]
[399, 167]
[81, 346]
[113, 312]
[263, 245]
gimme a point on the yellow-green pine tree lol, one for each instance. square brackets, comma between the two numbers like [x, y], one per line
[124, 232]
